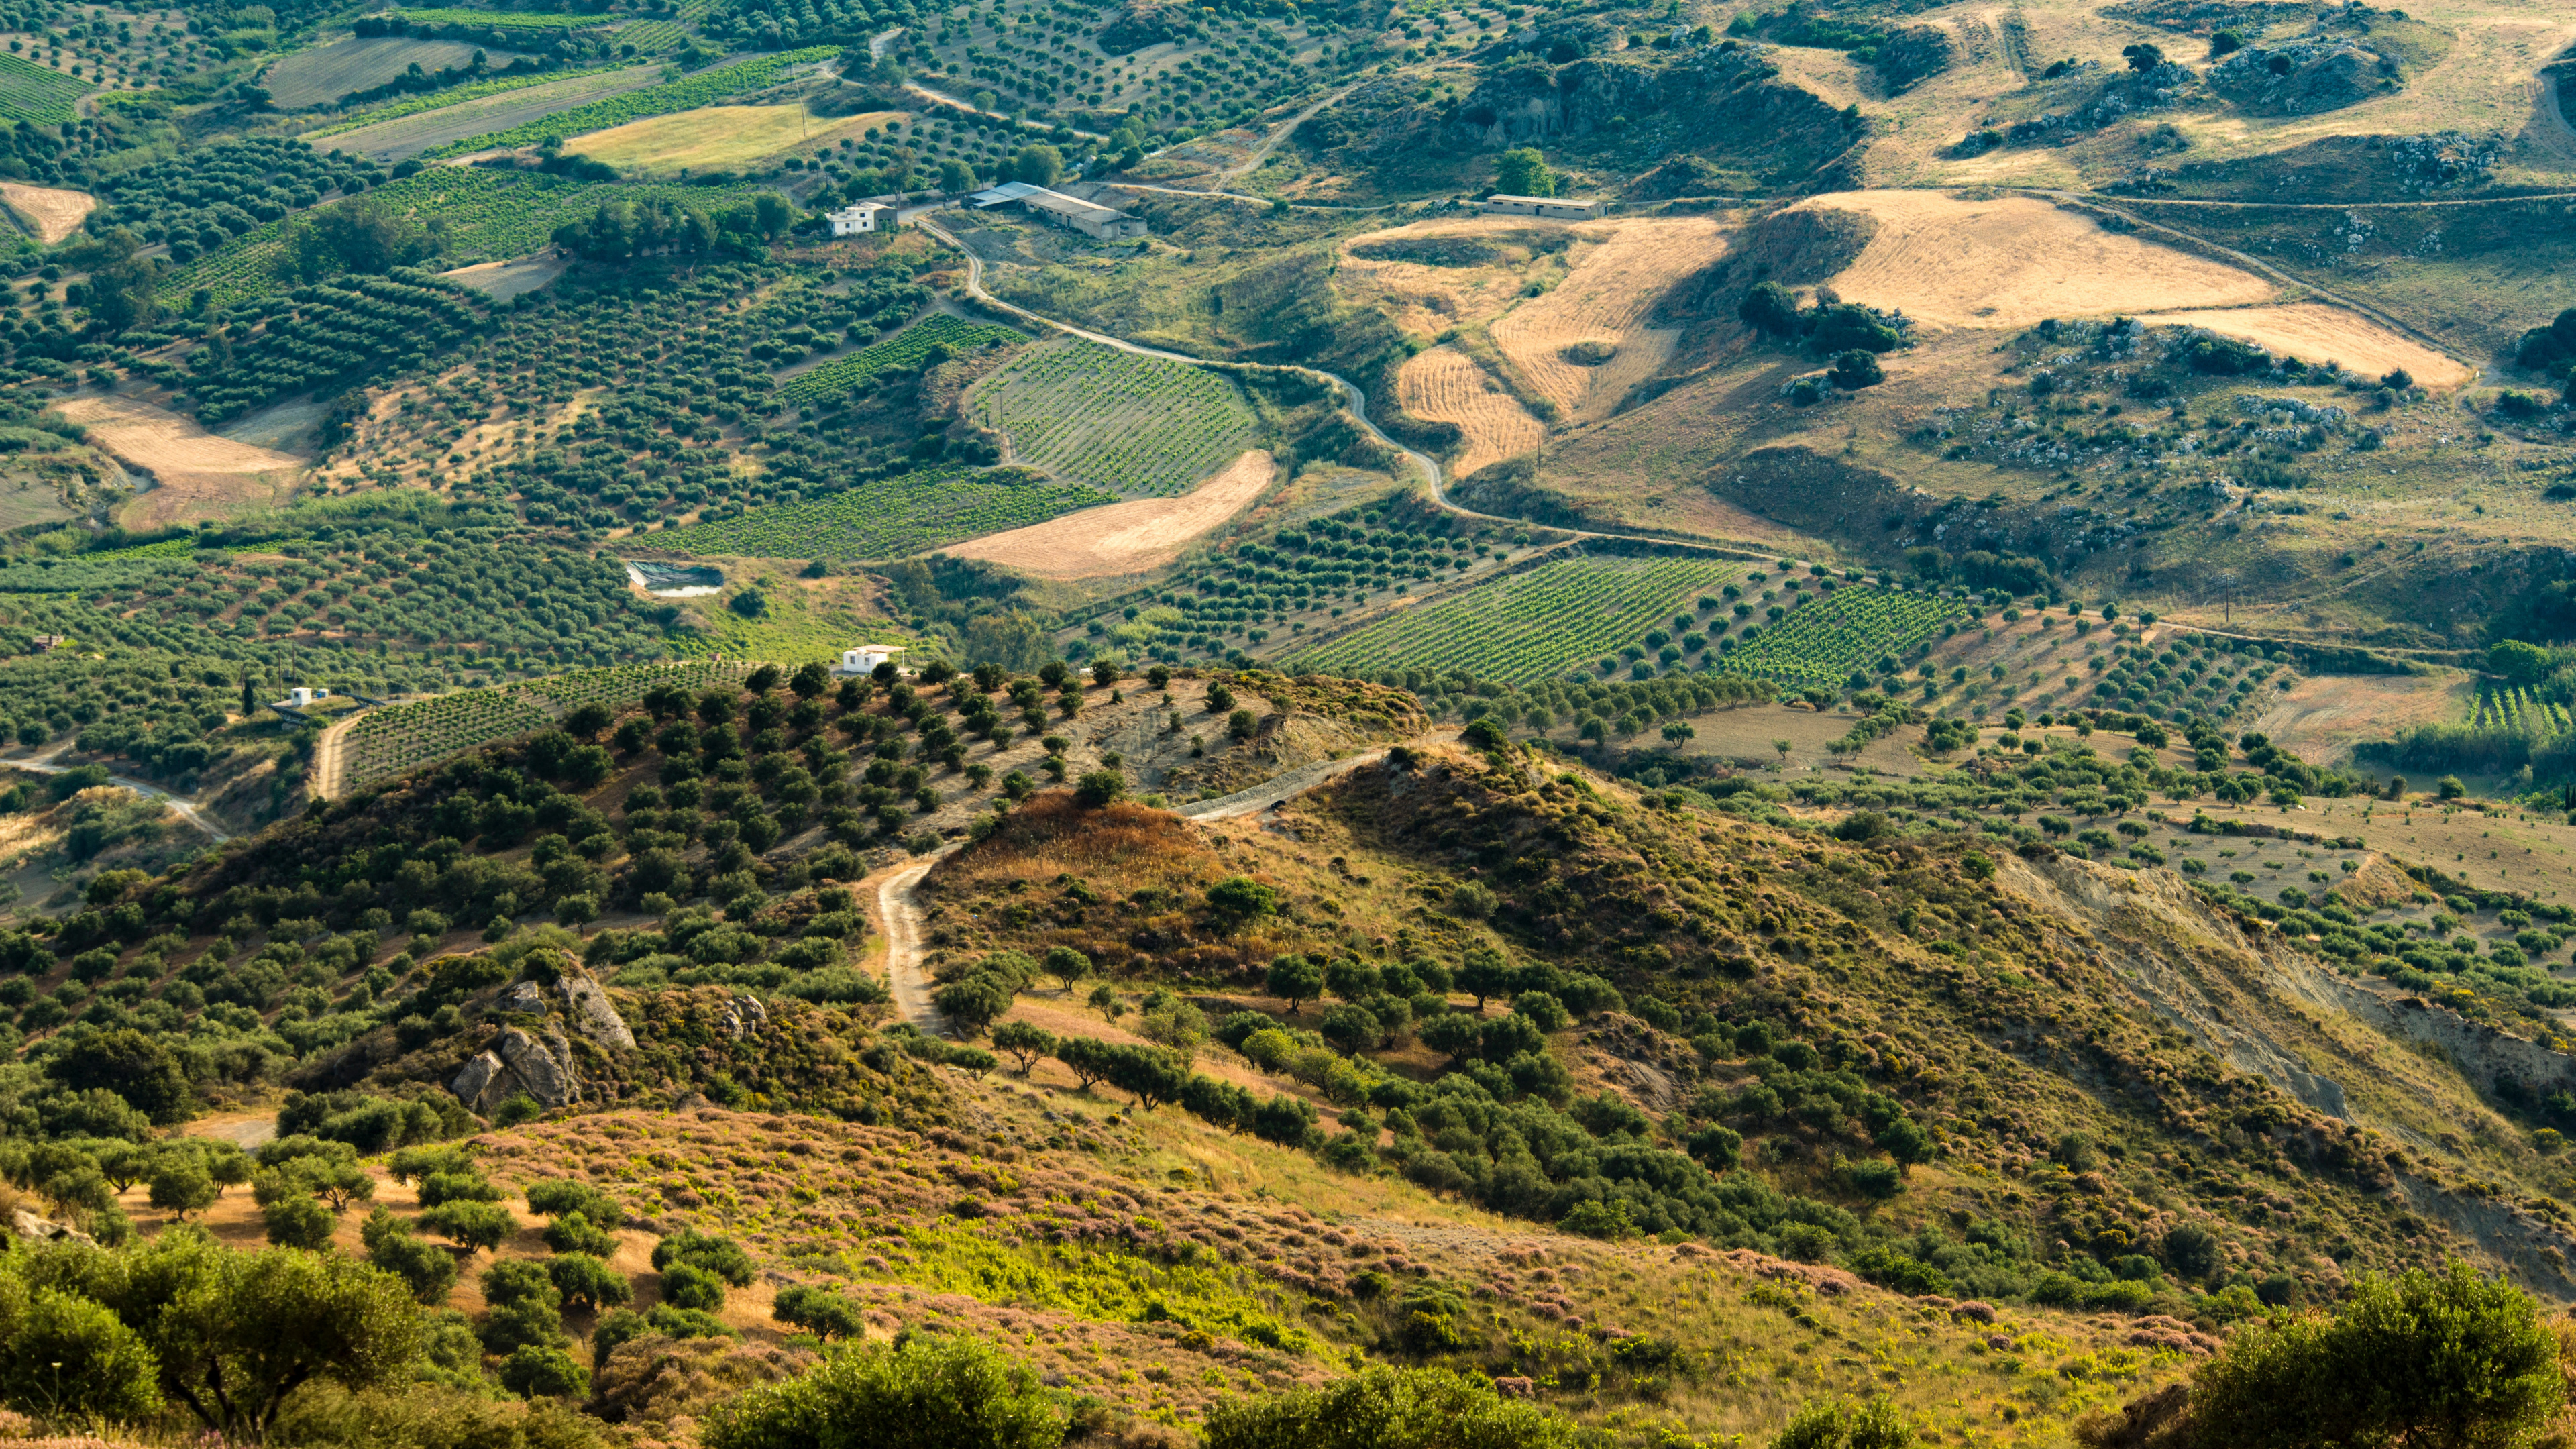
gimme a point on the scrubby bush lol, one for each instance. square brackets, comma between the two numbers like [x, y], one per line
[925, 1392]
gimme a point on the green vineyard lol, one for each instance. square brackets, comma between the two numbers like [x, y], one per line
[34, 96]
[405, 737]
[1529, 626]
[909, 348]
[888, 518]
[455, 96]
[2512, 707]
[1138, 426]
[503, 19]
[1824, 641]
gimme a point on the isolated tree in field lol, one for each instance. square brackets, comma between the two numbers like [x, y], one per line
[1099, 789]
[2142, 57]
[1066, 965]
[1294, 979]
[1024, 1040]
[1523, 171]
[1484, 974]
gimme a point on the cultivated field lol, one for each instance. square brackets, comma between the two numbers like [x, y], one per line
[48, 213]
[1560, 615]
[2013, 261]
[32, 95]
[2319, 332]
[720, 137]
[909, 348]
[1619, 270]
[410, 135]
[1126, 538]
[196, 474]
[322, 75]
[1822, 642]
[1427, 298]
[1447, 386]
[1115, 420]
[884, 519]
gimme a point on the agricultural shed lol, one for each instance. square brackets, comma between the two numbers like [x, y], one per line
[1088, 217]
[1553, 208]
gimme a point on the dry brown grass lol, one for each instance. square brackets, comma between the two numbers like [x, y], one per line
[50, 214]
[502, 281]
[1618, 271]
[1446, 386]
[1126, 538]
[196, 474]
[2320, 332]
[2012, 261]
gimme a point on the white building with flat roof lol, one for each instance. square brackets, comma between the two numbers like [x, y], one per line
[865, 658]
[1552, 208]
[859, 220]
[302, 697]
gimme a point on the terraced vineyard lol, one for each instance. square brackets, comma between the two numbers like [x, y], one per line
[906, 349]
[889, 518]
[1137, 426]
[1529, 626]
[1825, 640]
[405, 737]
[706, 88]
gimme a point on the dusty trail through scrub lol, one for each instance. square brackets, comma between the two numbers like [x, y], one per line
[1602, 305]
[1125, 538]
[2015, 260]
[2315, 332]
[196, 474]
[1446, 386]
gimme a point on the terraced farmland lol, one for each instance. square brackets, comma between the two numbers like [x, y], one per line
[889, 518]
[1516, 630]
[1825, 640]
[322, 75]
[406, 737]
[906, 349]
[705, 88]
[1137, 426]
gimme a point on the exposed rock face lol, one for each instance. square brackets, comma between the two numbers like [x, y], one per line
[745, 1016]
[593, 1015]
[517, 1062]
[37, 1229]
[525, 998]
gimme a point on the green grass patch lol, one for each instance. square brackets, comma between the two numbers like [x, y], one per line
[454, 95]
[1825, 640]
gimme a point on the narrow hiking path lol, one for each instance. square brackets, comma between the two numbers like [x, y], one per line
[898, 898]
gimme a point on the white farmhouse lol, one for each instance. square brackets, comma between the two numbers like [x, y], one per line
[865, 658]
[867, 216]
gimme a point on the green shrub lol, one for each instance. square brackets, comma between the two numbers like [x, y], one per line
[427, 1269]
[533, 1372]
[924, 1393]
[2458, 1359]
[1874, 1425]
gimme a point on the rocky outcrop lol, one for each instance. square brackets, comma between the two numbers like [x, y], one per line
[519, 1063]
[38, 1229]
[592, 1013]
[2302, 77]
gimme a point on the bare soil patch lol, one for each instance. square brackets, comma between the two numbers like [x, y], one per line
[2323, 716]
[1446, 386]
[50, 214]
[2013, 261]
[1620, 270]
[502, 281]
[196, 474]
[1125, 538]
[2320, 332]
